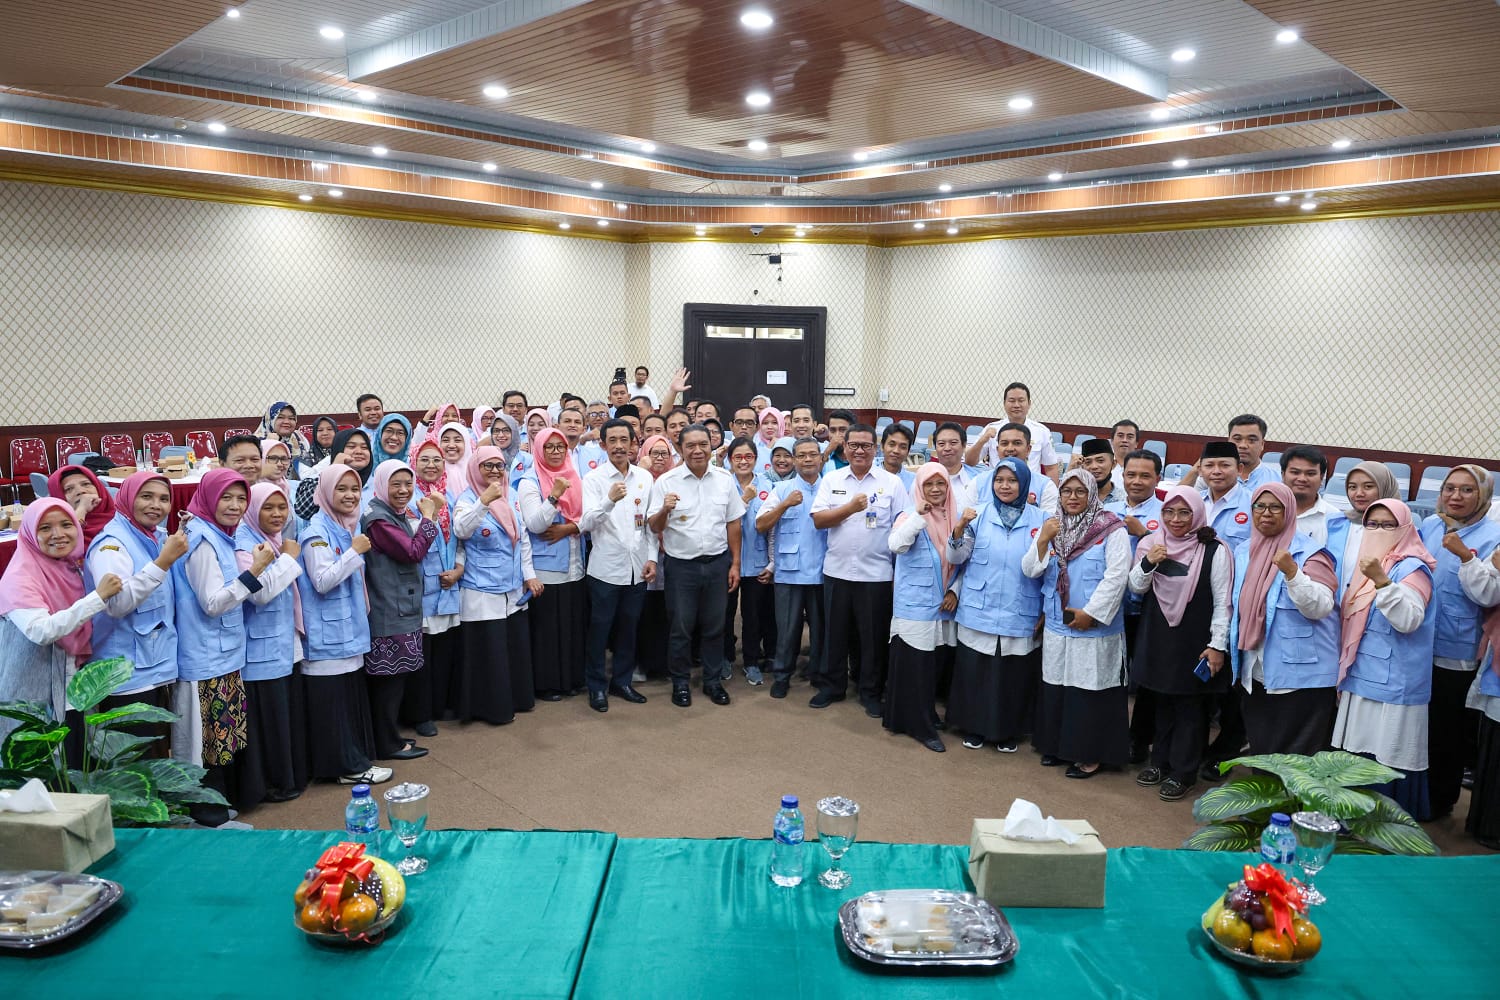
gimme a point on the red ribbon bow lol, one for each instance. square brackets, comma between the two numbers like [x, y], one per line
[1284, 895]
[337, 862]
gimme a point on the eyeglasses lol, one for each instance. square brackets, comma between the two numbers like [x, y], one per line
[1468, 491]
[279, 460]
[1380, 526]
[1176, 514]
[555, 446]
[1082, 494]
[492, 466]
[659, 454]
[858, 446]
[743, 423]
[1268, 508]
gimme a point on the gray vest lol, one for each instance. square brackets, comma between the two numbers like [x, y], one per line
[395, 587]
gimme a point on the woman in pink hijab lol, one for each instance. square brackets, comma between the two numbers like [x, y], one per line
[551, 502]
[1185, 573]
[1385, 660]
[45, 614]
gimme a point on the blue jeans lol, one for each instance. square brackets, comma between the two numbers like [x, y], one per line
[697, 593]
[613, 608]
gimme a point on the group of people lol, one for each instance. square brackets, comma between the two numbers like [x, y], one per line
[328, 592]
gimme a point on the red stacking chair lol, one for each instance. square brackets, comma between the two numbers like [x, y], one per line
[28, 456]
[236, 432]
[202, 443]
[118, 448]
[346, 427]
[8, 485]
[69, 444]
[154, 442]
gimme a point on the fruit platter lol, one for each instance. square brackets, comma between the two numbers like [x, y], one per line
[349, 897]
[1260, 922]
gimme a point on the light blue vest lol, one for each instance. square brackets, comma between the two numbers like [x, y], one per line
[337, 624]
[1296, 653]
[270, 628]
[587, 457]
[800, 547]
[919, 586]
[755, 553]
[1149, 515]
[997, 598]
[1085, 573]
[1390, 667]
[492, 562]
[1337, 545]
[207, 647]
[1489, 684]
[147, 636]
[1459, 619]
[550, 556]
[441, 555]
[1232, 524]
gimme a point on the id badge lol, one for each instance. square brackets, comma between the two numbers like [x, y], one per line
[640, 521]
[872, 518]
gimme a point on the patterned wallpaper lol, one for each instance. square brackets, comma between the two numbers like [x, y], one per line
[1377, 333]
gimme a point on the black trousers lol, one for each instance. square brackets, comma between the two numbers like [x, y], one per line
[794, 601]
[1452, 733]
[1231, 739]
[385, 692]
[857, 621]
[697, 592]
[614, 609]
[1143, 715]
[1181, 732]
[756, 604]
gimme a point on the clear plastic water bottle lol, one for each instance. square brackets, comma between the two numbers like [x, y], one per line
[786, 843]
[1278, 843]
[362, 814]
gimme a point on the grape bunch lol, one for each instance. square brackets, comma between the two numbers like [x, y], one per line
[1248, 905]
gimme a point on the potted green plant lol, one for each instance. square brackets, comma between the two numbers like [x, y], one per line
[1234, 813]
[141, 790]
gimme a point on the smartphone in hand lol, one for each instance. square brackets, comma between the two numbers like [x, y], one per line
[1202, 672]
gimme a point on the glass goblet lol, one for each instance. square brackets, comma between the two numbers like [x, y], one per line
[406, 805]
[838, 823]
[1316, 836]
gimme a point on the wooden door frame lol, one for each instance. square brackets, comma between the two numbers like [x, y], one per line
[813, 319]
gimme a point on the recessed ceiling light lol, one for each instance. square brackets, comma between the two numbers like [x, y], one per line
[1286, 36]
[586, 156]
[768, 204]
[861, 156]
[495, 91]
[758, 99]
[603, 223]
[648, 147]
[756, 145]
[1160, 114]
[700, 230]
[919, 225]
[331, 33]
[379, 150]
[756, 19]
[217, 128]
[232, 13]
[596, 185]
[1224, 170]
[320, 166]
[799, 232]
[1341, 144]
[489, 168]
[1183, 55]
[1054, 176]
[565, 225]
[622, 206]
[304, 197]
[1308, 206]
[952, 230]
[994, 194]
[153, 135]
[945, 188]
[1211, 129]
[1019, 104]
[1101, 181]
[920, 163]
[368, 96]
[1179, 163]
[1282, 199]
[335, 193]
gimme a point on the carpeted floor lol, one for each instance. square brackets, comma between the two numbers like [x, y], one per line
[655, 770]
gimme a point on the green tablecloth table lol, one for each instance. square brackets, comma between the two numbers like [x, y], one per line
[700, 918]
[209, 914]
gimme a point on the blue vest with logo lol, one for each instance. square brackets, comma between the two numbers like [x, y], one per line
[1295, 653]
[587, 457]
[1232, 524]
[1391, 667]
[147, 636]
[997, 598]
[550, 556]
[337, 624]
[441, 555]
[492, 562]
[1459, 619]
[919, 585]
[1085, 573]
[1148, 514]
[800, 547]
[1337, 545]
[207, 647]
[755, 552]
[270, 628]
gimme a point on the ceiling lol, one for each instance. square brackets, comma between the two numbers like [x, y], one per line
[974, 118]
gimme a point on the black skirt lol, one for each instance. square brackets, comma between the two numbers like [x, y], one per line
[275, 758]
[994, 697]
[1294, 722]
[559, 623]
[1484, 799]
[910, 690]
[157, 697]
[1083, 726]
[429, 693]
[651, 635]
[339, 740]
[495, 681]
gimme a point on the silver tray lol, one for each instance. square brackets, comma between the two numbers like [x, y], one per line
[1273, 966]
[11, 882]
[998, 944]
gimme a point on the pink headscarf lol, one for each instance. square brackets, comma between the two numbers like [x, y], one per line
[540, 411]
[500, 507]
[940, 522]
[1174, 592]
[481, 431]
[1261, 572]
[570, 504]
[643, 458]
[211, 490]
[36, 580]
[760, 424]
[458, 415]
[456, 473]
[268, 445]
[380, 482]
[130, 489]
[259, 494]
[328, 480]
[440, 487]
[1390, 547]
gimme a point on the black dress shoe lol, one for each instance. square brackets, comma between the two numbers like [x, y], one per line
[780, 687]
[1074, 771]
[275, 795]
[872, 708]
[681, 696]
[716, 694]
[409, 752]
[1210, 772]
[628, 693]
[822, 700]
[549, 696]
[935, 745]
[1050, 761]
[426, 728]
[599, 702]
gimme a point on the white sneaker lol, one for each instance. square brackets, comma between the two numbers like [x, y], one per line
[639, 677]
[375, 775]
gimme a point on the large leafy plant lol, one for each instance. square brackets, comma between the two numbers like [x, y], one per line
[1235, 813]
[140, 790]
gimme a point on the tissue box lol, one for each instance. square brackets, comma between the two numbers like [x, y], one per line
[1026, 873]
[68, 840]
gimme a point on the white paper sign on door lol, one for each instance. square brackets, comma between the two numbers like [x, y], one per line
[775, 378]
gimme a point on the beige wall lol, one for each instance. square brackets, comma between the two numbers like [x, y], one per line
[207, 309]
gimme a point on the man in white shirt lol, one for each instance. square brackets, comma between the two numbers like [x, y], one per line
[1043, 458]
[622, 560]
[1302, 470]
[642, 373]
[697, 509]
[1123, 438]
[857, 505]
[948, 451]
[370, 409]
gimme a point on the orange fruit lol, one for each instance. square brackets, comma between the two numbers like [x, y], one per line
[1231, 931]
[1309, 938]
[1270, 944]
[314, 919]
[358, 913]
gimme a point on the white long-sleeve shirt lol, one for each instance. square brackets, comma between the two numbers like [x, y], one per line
[45, 627]
[1313, 600]
[135, 586]
[621, 543]
[1105, 600]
